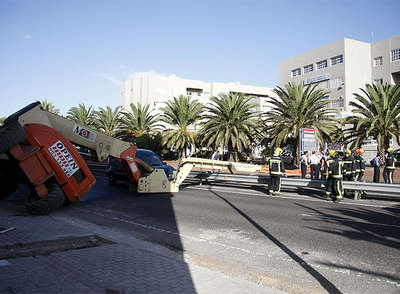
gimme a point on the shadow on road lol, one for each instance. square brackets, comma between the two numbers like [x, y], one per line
[363, 224]
[325, 283]
[129, 264]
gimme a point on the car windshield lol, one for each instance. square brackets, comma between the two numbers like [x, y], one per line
[149, 157]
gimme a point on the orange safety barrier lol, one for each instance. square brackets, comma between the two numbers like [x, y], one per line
[293, 172]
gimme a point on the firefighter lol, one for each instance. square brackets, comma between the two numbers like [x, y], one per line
[325, 174]
[388, 171]
[334, 184]
[349, 170]
[348, 166]
[276, 171]
[359, 164]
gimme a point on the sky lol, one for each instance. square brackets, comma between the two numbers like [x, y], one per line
[72, 52]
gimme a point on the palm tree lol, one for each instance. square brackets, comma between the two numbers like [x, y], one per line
[49, 106]
[181, 113]
[81, 115]
[107, 120]
[295, 108]
[230, 123]
[138, 122]
[376, 115]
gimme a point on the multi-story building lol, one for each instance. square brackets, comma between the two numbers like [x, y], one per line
[156, 90]
[344, 67]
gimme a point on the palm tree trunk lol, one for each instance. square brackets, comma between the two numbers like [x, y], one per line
[297, 148]
[386, 143]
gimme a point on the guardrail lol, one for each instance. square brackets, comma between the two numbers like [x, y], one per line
[375, 188]
[381, 189]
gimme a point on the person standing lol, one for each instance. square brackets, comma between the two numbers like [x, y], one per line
[349, 169]
[348, 166]
[276, 171]
[322, 163]
[216, 155]
[304, 164]
[359, 163]
[362, 165]
[388, 171]
[314, 161]
[376, 162]
[334, 183]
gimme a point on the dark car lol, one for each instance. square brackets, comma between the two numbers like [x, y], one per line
[116, 171]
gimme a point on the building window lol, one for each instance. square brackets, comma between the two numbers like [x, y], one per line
[336, 83]
[378, 81]
[339, 103]
[337, 59]
[308, 68]
[378, 61]
[296, 72]
[322, 64]
[194, 91]
[395, 55]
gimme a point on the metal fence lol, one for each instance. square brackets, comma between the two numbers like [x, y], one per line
[382, 189]
[378, 189]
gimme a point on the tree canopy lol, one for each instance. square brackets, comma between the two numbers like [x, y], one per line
[376, 114]
[230, 123]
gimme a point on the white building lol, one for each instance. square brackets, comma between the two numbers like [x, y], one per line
[156, 90]
[343, 67]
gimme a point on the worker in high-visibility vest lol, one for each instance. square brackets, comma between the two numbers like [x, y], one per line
[349, 169]
[334, 182]
[388, 171]
[276, 171]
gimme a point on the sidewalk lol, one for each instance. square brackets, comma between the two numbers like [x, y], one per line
[113, 262]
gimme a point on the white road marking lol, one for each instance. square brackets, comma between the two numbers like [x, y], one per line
[197, 239]
[392, 205]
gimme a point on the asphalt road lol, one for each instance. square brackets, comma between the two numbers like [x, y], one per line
[296, 243]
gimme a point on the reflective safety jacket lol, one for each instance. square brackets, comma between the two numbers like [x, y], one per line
[276, 166]
[359, 164]
[349, 167]
[389, 162]
[362, 164]
[334, 167]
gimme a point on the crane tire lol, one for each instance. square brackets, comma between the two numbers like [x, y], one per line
[12, 135]
[51, 202]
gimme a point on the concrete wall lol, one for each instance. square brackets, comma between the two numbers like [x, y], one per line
[388, 71]
[357, 69]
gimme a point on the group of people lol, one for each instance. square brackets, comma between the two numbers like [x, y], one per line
[388, 162]
[333, 169]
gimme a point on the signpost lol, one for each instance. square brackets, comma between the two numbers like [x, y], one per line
[308, 140]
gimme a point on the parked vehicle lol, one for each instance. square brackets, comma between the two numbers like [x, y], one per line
[116, 171]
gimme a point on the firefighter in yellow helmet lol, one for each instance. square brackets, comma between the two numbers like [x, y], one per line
[276, 171]
[359, 163]
[388, 171]
[334, 184]
[348, 166]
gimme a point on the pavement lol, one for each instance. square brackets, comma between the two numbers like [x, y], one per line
[62, 254]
